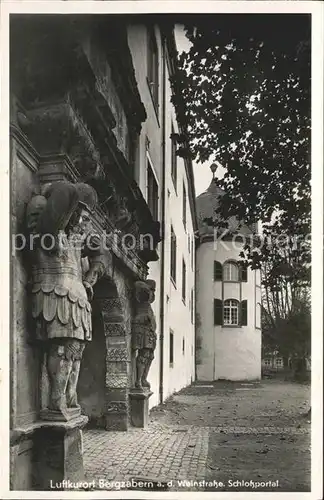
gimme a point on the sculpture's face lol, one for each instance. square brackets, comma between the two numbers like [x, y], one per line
[152, 295]
[85, 221]
[80, 222]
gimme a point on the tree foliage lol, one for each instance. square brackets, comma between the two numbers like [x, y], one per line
[242, 95]
[286, 319]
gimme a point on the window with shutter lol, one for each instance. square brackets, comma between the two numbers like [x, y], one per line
[231, 312]
[218, 271]
[218, 312]
[244, 313]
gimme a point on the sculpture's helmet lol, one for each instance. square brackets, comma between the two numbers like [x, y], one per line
[151, 284]
[87, 196]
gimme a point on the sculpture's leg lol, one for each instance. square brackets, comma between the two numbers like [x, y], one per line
[58, 369]
[71, 390]
[140, 367]
[149, 359]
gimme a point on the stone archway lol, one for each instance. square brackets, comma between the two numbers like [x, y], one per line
[106, 361]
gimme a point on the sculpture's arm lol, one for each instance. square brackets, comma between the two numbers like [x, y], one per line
[99, 259]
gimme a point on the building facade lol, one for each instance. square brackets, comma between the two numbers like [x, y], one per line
[90, 102]
[153, 52]
[228, 344]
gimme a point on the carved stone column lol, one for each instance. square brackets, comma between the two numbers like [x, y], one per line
[117, 364]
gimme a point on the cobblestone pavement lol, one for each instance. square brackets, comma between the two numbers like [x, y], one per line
[157, 453]
[211, 434]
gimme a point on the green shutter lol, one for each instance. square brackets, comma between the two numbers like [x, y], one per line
[218, 312]
[244, 273]
[244, 313]
[218, 271]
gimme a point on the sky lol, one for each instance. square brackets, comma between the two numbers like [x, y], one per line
[202, 173]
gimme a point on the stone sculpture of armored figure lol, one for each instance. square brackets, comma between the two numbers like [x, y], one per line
[60, 236]
[144, 331]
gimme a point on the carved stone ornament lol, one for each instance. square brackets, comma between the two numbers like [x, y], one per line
[59, 226]
[144, 331]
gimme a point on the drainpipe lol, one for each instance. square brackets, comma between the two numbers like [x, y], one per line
[162, 223]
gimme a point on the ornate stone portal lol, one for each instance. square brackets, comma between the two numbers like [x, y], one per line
[66, 126]
[144, 342]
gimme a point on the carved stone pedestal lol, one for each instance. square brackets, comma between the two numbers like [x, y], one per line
[64, 415]
[59, 454]
[139, 407]
[116, 422]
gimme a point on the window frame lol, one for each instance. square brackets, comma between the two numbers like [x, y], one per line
[155, 208]
[171, 347]
[258, 315]
[192, 251]
[174, 159]
[184, 281]
[231, 263]
[153, 68]
[192, 306]
[173, 257]
[184, 205]
[231, 307]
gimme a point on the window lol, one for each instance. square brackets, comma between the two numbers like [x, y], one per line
[171, 351]
[192, 252]
[183, 280]
[132, 144]
[183, 345]
[279, 362]
[188, 243]
[258, 315]
[267, 362]
[231, 312]
[230, 272]
[152, 192]
[153, 68]
[173, 256]
[184, 206]
[173, 158]
[192, 305]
